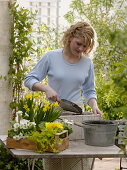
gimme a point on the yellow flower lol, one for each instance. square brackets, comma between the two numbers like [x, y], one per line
[27, 109]
[59, 125]
[50, 125]
[44, 109]
[29, 96]
[43, 28]
[46, 103]
[37, 95]
[53, 125]
[56, 104]
[25, 106]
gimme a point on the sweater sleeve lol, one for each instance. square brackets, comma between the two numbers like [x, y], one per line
[89, 85]
[38, 73]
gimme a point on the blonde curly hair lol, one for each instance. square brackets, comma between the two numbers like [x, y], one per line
[81, 30]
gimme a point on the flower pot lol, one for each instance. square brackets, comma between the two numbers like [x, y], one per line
[27, 144]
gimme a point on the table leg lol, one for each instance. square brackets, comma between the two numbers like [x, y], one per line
[33, 164]
[121, 168]
[92, 163]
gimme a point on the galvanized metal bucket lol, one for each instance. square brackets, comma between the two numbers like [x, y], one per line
[99, 132]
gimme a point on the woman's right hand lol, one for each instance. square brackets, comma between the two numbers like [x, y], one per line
[51, 94]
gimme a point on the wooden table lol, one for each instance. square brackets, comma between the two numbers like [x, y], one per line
[77, 149]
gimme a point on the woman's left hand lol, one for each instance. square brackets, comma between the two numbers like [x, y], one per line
[96, 110]
[93, 104]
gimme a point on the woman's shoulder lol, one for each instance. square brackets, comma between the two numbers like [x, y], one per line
[87, 59]
[55, 51]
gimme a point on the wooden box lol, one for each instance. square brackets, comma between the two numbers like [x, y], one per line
[26, 144]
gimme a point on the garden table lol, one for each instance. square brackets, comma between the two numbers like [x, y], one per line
[77, 149]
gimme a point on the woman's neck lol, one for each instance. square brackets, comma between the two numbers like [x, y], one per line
[69, 57]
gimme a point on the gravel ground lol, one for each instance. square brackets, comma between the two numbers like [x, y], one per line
[109, 164]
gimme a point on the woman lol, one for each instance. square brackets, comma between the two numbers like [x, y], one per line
[69, 69]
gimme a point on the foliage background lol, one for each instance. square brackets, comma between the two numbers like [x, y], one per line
[109, 18]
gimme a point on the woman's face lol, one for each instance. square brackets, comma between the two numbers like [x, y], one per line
[77, 46]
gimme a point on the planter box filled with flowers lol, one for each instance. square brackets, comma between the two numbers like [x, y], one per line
[36, 127]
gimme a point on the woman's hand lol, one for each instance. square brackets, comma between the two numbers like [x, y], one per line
[93, 104]
[51, 94]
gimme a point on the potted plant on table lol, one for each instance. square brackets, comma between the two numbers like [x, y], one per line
[34, 127]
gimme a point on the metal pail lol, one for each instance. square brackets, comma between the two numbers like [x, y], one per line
[99, 132]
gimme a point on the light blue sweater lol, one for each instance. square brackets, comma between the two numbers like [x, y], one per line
[65, 78]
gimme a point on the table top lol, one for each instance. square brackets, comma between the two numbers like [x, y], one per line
[76, 149]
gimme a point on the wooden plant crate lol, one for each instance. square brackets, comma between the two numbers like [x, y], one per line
[20, 144]
[26, 144]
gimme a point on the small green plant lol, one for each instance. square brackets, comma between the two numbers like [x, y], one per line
[46, 138]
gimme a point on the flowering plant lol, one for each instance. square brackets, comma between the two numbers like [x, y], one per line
[35, 121]
[31, 114]
[21, 129]
[46, 138]
[34, 108]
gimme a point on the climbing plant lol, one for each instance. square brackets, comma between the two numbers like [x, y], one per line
[29, 42]
[22, 47]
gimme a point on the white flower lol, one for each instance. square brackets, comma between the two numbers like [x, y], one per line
[65, 121]
[32, 124]
[26, 114]
[16, 125]
[16, 137]
[19, 112]
[24, 124]
[71, 122]
[21, 135]
[24, 121]
[15, 129]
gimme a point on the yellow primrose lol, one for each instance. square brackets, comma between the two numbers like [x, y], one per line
[54, 124]
[49, 125]
[59, 125]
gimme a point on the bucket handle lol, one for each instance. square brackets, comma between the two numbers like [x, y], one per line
[78, 124]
